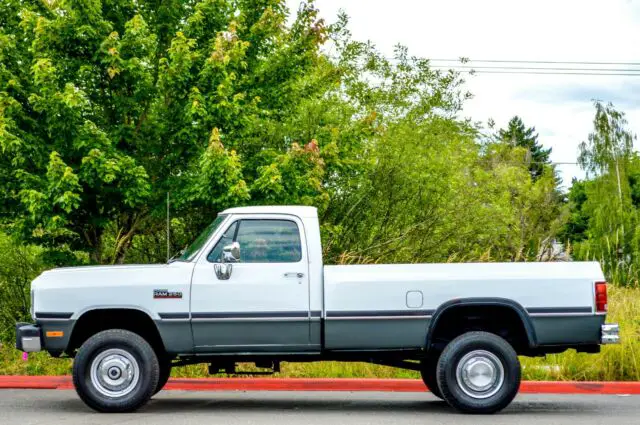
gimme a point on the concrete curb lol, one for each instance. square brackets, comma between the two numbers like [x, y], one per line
[304, 384]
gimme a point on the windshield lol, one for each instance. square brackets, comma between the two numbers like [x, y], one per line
[202, 239]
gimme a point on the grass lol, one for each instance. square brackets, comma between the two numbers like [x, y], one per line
[614, 363]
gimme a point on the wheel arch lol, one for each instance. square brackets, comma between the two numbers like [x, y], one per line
[501, 303]
[93, 320]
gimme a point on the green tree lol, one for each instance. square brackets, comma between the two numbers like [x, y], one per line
[517, 134]
[429, 192]
[577, 224]
[528, 210]
[607, 200]
[19, 264]
[609, 145]
[107, 105]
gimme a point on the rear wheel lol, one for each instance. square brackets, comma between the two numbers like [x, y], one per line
[428, 373]
[115, 371]
[478, 372]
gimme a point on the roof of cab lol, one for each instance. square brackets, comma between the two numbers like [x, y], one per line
[297, 210]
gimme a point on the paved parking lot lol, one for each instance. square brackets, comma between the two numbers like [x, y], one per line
[26, 407]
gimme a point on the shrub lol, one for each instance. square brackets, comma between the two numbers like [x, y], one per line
[19, 265]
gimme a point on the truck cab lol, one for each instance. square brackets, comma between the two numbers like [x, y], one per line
[270, 297]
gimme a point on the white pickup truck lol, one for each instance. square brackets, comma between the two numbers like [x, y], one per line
[252, 288]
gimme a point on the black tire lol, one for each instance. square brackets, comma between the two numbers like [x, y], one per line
[165, 373]
[120, 348]
[497, 396]
[428, 374]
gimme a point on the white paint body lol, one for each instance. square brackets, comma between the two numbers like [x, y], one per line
[532, 285]
[265, 288]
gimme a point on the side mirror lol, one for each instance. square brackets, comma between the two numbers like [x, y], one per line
[231, 253]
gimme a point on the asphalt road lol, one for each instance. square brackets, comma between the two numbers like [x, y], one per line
[26, 407]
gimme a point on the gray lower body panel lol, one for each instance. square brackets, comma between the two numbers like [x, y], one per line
[305, 335]
[176, 335]
[376, 333]
[256, 335]
[567, 330]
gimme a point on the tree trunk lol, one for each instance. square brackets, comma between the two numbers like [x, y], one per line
[94, 239]
[128, 229]
[619, 186]
[122, 253]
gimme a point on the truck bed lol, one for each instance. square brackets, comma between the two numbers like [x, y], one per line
[390, 306]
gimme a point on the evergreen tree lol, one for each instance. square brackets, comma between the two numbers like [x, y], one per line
[517, 134]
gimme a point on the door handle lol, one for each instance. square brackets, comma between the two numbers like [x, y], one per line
[294, 274]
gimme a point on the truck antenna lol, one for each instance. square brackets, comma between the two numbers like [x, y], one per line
[168, 229]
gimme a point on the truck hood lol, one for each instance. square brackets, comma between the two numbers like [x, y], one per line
[129, 274]
[118, 268]
[73, 290]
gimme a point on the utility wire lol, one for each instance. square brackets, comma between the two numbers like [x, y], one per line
[536, 62]
[526, 68]
[550, 73]
[538, 162]
[632, 69]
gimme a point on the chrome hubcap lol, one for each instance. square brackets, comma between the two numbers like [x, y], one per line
[115, 373]
[480, 374]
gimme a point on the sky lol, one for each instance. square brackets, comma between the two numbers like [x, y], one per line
[560, 107]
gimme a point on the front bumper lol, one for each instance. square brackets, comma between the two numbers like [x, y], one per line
[28, 337]
[610, 333]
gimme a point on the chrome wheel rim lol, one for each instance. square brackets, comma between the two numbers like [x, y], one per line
[115, 373]
[480, 374]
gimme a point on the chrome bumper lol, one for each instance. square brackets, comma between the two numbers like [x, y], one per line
[610, 333]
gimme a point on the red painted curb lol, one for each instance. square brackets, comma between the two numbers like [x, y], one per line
[35, 382]
[344, 384]
[547, 387]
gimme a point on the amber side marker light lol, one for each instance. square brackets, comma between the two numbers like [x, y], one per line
[54, 334]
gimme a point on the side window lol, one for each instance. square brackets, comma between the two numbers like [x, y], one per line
[225, 239]
[269, 241]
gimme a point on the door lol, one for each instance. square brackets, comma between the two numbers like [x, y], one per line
[264, 304]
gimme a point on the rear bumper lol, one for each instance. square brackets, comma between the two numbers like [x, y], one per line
[610, 333]
[28, 337]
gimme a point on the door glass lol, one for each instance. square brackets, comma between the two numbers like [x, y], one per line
[269, 241]
[225, 239]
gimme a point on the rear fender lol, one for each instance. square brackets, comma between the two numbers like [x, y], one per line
[488, 302]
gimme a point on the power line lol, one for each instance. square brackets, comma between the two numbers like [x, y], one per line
[539, 162]
[551, 73]
[537, 62]
[511, 67]
[527, 68]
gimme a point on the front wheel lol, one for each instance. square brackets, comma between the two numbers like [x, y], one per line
[115, 371]
[478, 372]
[165, 373]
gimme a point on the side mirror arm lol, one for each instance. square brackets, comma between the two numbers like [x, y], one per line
[223, 270]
